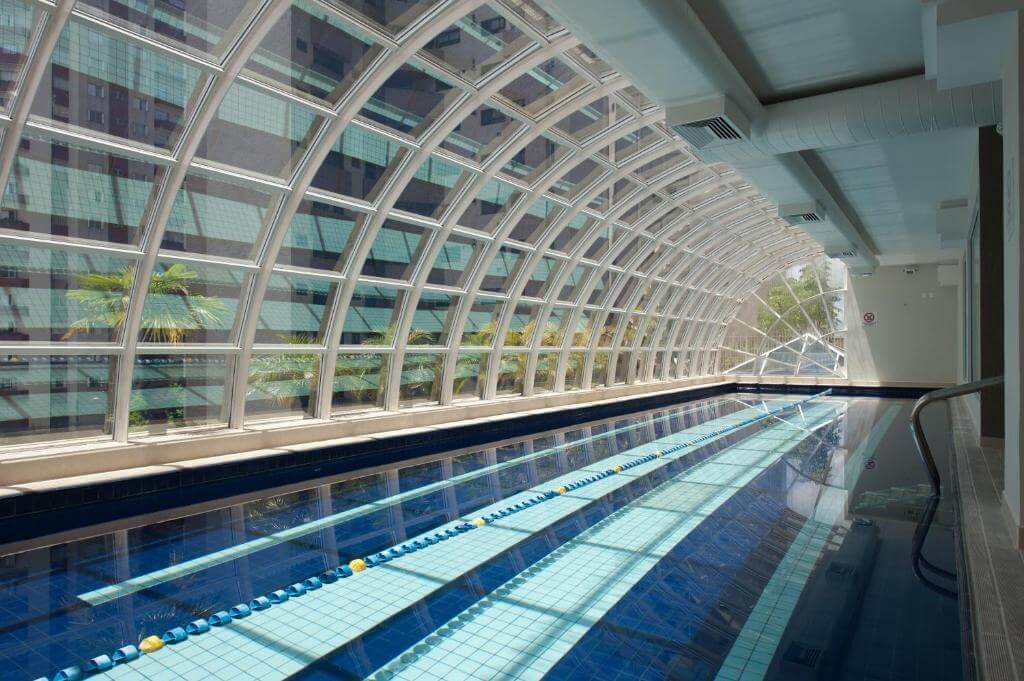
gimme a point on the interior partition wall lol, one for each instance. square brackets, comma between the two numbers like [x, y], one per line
[247, 212]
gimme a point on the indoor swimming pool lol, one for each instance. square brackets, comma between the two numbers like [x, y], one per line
[741, 537]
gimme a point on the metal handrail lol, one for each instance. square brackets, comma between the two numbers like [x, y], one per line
[935, 396]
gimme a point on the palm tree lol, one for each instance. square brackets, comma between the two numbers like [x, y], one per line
[286, 378]
[171, 312]
[414, 363]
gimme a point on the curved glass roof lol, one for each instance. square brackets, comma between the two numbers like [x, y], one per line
[222, 213]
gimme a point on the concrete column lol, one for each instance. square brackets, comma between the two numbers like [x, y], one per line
[1012, 258]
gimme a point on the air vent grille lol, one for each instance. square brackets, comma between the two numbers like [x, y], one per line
[697, 137]
[719, 127]
[802, 218]
[712, 122]
[809, 212]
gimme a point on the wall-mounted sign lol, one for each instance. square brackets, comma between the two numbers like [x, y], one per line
[868, 318]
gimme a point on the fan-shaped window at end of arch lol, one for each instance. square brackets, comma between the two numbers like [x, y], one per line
[793, 325]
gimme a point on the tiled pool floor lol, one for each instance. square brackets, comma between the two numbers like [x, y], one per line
[690, 562]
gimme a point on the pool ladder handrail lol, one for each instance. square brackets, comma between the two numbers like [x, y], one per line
[918, 431]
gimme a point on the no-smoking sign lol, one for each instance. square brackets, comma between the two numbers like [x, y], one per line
[868, 318]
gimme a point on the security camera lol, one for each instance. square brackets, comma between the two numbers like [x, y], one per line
[910, 270]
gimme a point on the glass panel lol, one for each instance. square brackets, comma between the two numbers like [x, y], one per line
[190, 303]
[629, 334]
[599, 374]
[633, 143]
[477, 43]
[608, 329]
[587, 121]
[70, 190]
[543, 85]
[46, 398]
[661, 166]
[625, 256]
[115, 87]
[178, 391]
[480, 133]
[357, 381]
[574, 370]
[452, 263]
[510, 373]
[394, 15]
[410, 100]
[610, 198]
[196, 25]
[572, 286]
[584, 332]
[428, 322]
[481, 322]
[368, 320]
[533, 223]
[641, 208]
[601, 239]
[520, 327]
[427, 191]
[591, 62]
[636, 98]
[217, 217]
[395, 251]
[578, 178]
[487, 205]
[52, 295]
[601, 288]
[470, 375]
[531, 161]
[542, 274]
[310, 51]
[293, 309]
[547, 368]
[622, 368]
[318, 236]
[257, 131]
[576, 229]
[356, 163]
[16, 22]
[551, 335]
[501, 270]
[420, 379]
[281, 385]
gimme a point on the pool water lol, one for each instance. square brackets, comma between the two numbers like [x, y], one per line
[738, 537]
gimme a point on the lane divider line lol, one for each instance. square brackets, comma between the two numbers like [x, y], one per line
[177, 635]
[111, 592]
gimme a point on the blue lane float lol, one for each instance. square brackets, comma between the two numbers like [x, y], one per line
[175, 635]
[127, 654]
[196, 627]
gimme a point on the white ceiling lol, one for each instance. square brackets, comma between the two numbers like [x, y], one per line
[782, 50]
[795, 48]
[786, 49]
[895, 187]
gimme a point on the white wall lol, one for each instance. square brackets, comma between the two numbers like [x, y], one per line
[915, 336]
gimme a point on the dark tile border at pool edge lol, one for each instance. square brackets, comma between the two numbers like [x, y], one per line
[37, 514]
[900, 392]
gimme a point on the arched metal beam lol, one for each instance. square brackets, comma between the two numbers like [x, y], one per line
[506, 226]
[345, 111]
[207, 101]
